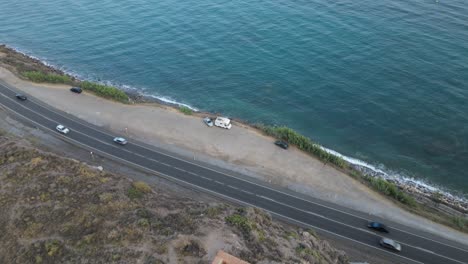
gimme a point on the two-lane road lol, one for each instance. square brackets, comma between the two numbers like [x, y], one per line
[417, 247]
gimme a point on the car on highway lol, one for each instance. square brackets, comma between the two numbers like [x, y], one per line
[76, 90]
[377, 226]
[62, 129]
[390, 244]
[208, 121]
[120, 140]
[21, 97]
[282, 144]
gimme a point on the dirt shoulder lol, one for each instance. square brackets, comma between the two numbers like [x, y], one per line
[13, 127]
[61, 210]
[241, 149]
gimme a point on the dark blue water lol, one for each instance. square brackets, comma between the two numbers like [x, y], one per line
[381, 81]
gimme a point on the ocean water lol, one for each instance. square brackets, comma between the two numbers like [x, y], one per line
[384, 82]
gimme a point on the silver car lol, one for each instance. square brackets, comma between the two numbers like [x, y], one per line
[62, 129]
[120, 141]
[208, 121]
[390, 243]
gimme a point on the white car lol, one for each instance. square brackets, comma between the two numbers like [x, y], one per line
[208, 121]
[62, 129]
[120, 141]
[223, 122]
[390, 243]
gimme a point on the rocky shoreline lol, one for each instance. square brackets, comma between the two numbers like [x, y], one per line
[456, 206]
[30, 63]
[441, 201]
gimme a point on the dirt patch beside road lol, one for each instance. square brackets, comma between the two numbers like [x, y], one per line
[61, 210]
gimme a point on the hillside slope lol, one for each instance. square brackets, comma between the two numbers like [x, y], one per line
[58, 210]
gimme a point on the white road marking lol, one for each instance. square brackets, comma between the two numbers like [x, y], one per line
[247, 192]
[338, 222]
[267, 198]
[49, 108]
[202, 188]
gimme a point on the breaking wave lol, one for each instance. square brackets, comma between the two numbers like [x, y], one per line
[124, 87]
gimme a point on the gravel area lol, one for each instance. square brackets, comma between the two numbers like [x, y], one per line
[241, 149]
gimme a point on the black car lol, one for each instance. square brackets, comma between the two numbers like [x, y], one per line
[21, 97]
[378, 226]
[281, 144]
[76, 90]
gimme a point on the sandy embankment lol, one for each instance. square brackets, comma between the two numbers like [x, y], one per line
[241, 149]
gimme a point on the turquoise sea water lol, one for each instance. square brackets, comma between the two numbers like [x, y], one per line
[385, 82]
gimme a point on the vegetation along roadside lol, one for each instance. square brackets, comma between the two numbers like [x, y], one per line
[34, 70]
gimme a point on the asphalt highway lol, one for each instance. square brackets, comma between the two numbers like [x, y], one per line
[417, 246]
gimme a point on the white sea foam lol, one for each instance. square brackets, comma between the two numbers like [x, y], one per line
[124, 87]
[48, 64]
[381, 172]
[354, 161]
[402, 179]
[170, 101]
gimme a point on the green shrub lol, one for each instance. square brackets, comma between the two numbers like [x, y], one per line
[302, 250]
[40, 77]
[134, 193]
[306, 144]
[138, 190]
[143, 222]
[390, 189]
[261, 235]
[142, 186]
[212, 212]
[185, 110]
[303, 143]
[105, 197]
[105, 91]
[38, 259]
[52, 247]
[87, 239]
[460, 222]
[292, 234]
[240, 222]
[312, 232]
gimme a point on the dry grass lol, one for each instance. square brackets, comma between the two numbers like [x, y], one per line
[56, 210]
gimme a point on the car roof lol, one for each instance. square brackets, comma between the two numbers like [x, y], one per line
[389, 241]
[223, 119]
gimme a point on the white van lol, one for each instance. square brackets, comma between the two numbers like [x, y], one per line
[223, 122]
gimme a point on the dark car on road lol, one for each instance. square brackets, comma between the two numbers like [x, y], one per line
[21, 97]
[76, 90]
[281, 144]
[390, 244]
[378, 226]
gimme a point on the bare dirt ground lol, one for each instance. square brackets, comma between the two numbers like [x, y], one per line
[57, 209]
[241, 149]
